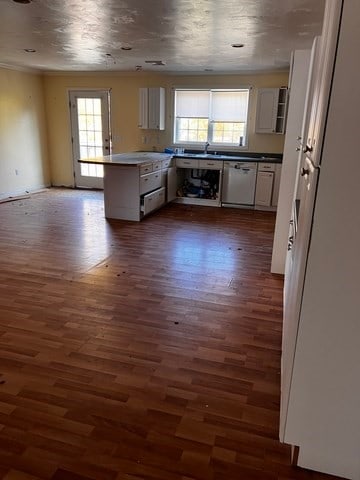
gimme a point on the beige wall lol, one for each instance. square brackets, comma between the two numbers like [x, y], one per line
[23, 142]
[124, 112]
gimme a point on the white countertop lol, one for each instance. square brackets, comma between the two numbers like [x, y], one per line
[128, 159]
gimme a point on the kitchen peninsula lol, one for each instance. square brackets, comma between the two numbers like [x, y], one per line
[138, 183]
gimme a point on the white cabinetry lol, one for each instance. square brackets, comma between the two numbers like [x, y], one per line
[276, 185]
[271, 110]
[152, 108]
[267, 186]
[294, 126]
[131, 192]
[320, 400]
[264, 186]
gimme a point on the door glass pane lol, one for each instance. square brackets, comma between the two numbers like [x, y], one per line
[97, 123]
[97, 106]
[84, 169]
[90, 134]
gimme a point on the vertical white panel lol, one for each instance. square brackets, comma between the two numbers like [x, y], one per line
[143, 108]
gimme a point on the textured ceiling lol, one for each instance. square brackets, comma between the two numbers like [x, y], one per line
[187, 35]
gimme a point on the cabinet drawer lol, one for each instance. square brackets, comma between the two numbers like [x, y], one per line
[153, 200]
[156, 166]
[211, 164]
[266, 167]
[167, 163]
[146, 168]
[187, 163]
[150, 182]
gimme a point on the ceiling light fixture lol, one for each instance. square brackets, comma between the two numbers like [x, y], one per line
[126, 48]
[29, 50]
[22, 1]
[237, 45]
[155, 62]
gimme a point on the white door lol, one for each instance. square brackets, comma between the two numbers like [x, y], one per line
[90, 129]
[295, 282]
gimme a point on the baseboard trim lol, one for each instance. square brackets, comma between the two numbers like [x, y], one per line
[21, 193]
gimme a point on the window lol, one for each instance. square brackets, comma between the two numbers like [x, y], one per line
[215, 116]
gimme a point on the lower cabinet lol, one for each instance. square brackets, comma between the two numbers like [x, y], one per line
[198, 181]
[267, 186]
[131, 192]
[264, 188]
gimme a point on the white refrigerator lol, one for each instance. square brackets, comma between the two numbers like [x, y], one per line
[320, 390]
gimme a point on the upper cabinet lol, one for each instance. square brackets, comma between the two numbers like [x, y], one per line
[271, 110]
[152, 108]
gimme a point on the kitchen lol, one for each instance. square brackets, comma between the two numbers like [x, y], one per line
[45, 96]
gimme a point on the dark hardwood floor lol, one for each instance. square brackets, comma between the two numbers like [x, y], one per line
[138, 350]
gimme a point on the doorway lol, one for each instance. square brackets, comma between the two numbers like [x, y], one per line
[90, 132]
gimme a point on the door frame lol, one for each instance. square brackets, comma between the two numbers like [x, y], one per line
[81, 181]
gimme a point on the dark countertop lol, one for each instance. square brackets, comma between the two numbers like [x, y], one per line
[229, 156]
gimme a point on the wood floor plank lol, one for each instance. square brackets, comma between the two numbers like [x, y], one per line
[139, 351]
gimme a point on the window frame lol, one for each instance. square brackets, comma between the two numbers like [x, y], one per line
[222, 146]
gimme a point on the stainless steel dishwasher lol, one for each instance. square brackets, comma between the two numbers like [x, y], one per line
[239, 182]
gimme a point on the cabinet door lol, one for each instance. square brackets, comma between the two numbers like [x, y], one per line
[143, 108]
[322, 77]
[152, 108]
[266, 111]
[156, 108]
[264, 184]
[171, 184]
[276, 185]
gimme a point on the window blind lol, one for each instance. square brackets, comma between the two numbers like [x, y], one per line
[192, 103]
[230, 106]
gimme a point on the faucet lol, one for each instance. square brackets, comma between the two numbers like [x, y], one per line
[207, 144]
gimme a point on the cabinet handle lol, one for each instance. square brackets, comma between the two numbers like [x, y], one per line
[290, 244]
[304, 171]
[307, 149]
[298, 149]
